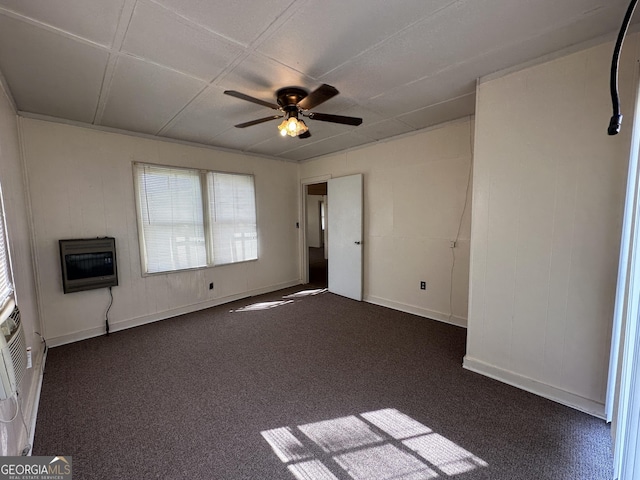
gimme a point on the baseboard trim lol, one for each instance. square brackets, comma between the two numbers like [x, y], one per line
[415, 310]
[533, 386]
[155, 317]
[36, 401]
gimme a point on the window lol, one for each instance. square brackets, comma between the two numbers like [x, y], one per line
[6, 286]
[194, 218]
[232, 210]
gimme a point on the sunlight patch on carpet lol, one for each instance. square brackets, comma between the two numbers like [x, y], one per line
[395, 424]
[340, 434]
[444, 454]
[311, 470]
[307, 293]
[379, 445]
[382, 463]
[262, 306]
[287, 447]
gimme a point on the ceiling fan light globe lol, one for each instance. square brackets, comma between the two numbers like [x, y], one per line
[302, 127]
[283, 128]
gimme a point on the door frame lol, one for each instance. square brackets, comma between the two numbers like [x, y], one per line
[303, 248]
[622, 406]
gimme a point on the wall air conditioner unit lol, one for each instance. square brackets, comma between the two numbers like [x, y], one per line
[13, 350]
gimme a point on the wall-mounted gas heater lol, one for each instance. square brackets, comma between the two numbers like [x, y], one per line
[13, 350]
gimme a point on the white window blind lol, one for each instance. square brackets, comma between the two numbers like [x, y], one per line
[175, 234]
[6, 287]
[170, 206]
[232, 210]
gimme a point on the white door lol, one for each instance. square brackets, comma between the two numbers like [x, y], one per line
[344, 215]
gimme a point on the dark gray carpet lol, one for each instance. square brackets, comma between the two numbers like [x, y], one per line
[188, 398]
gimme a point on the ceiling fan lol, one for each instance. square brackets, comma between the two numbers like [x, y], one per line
[294, 102]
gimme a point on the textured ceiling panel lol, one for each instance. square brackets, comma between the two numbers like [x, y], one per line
[260, 77]
[428, 91]
[177, 43]
[384, 129]
[345, 29]
[453, 36]
[241, 20]
[276, 145]
[161, 66]
[238, 139]
[209, 115]
[143, 97]
[50, 74]
[95, 20]
[330, 145]
[442, 112]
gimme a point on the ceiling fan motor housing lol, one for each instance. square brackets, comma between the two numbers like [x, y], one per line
[289, 97]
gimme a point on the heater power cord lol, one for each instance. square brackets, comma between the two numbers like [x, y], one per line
[106, 315]
[15, 399]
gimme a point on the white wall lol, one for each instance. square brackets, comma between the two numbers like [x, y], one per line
[549, 188]
[314, 231]
[81, 185]
[414, 189]
[13, 436]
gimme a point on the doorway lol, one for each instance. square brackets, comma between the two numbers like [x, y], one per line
[316, 234]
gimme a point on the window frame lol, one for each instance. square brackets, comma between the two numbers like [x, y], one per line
[208, 231]
[7, 266]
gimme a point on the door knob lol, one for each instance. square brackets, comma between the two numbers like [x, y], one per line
[357, 243]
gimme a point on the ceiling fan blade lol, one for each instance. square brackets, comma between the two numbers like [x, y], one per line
[306, 134]
[325, 117]
[243, 96]
[320, 95]
[258, 121]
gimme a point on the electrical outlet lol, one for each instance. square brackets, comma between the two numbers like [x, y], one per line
[211, 286]
[452, 244]
[423, 285]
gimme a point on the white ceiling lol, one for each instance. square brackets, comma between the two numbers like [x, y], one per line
[160, 66]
